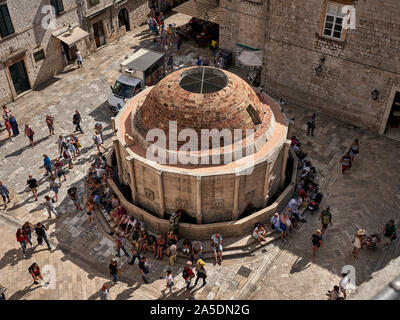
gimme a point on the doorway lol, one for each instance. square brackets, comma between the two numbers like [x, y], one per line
[393, 123]
[19, 77]
[123, 19]
[98, 31]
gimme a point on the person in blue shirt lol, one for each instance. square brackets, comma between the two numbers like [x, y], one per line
[198, 62]
[47, 164]
[4, 194]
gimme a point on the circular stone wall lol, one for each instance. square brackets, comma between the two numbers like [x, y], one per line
[207, 193]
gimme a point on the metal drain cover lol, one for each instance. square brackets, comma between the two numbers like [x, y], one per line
[244, 271]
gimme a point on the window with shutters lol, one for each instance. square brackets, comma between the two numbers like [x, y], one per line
[6, 26]
[39, 55]
[333, 25]
[58, 5]
[253, 114]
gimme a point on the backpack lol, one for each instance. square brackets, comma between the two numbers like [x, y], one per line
[325, 218]
[185, 273]
[31, 267]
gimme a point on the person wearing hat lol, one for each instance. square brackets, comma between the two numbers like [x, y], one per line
[201, 272]
[358, 242]
[278, 226]
[188, 274]
[316, 239]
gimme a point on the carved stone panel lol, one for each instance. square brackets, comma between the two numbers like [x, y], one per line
[219, 204]
[181, 204]
[250, 195]
[149, 194]
[272, 180]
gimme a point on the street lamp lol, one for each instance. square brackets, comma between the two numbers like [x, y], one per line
[375, 94]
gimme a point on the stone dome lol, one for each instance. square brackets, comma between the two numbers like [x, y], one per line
[202, 98]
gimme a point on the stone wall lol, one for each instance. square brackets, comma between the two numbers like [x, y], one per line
[242, 21]
[204, 231]
[368, 58]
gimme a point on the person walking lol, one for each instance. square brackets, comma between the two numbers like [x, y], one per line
[47, 164]
[62, 144]
[326, 219]
[389, 232]
[28, 228]
[114, 270]
[73, 194]
[42, 235]
[22, 238]
[344, 284]
[354, 149]
[170, 64]
[135, 252]
[34, 270]
[33, 184]
[5, 194]
[346, 163]
[316, 240]
[6, 113]
[50, 206]
[50, 124]
[358, 242]
[76, 144]
[201, 272]
[311, 125]
[188, 274]
[170, 280]
[58, 169]
[216, 243]
[104, 292]
[120, 241]
[79, 59]
[14, 125]
[172, 254]
[144, 268]
[98, 141]
[29, 133]
[89, 211]
[54, 186]
[76, 120]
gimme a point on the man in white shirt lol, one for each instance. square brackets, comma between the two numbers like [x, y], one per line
[79, 59]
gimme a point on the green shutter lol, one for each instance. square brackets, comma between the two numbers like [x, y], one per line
[6, 26]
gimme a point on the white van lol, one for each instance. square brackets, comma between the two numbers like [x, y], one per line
[144, 68]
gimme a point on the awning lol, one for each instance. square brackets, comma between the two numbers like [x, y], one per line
[251, 58]
[199, 8]
[73, 36]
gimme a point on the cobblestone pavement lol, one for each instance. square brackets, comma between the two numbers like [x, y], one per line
[365, 198]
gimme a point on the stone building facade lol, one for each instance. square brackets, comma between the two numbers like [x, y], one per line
[352, 75]
[31, 54]
[23, 65]
[107, 20]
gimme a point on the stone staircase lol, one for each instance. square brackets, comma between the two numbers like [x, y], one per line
[234, 247]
